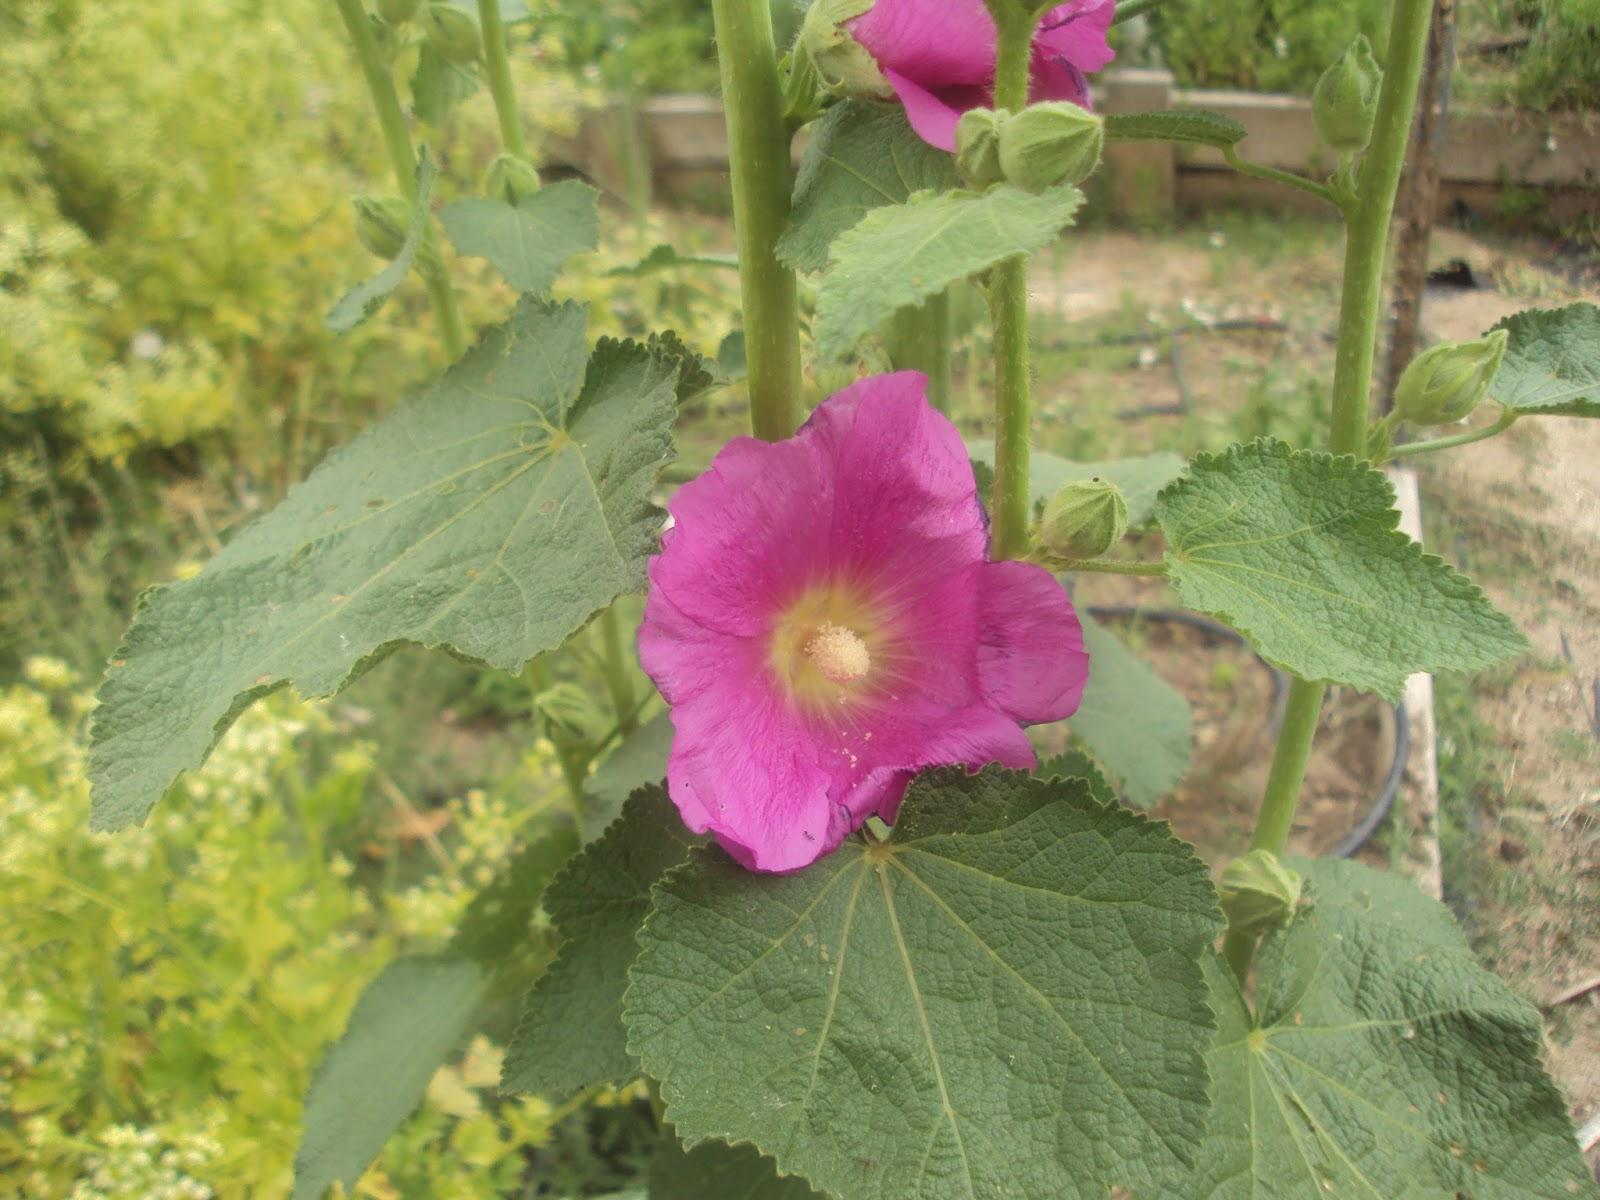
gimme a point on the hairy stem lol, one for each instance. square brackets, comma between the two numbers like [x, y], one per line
[619, 681]
[1244, 167]
[758, 153]
[920, 341]
[1507, 419]
[1012, 504]
[1366, 242]
[498, 69]
[403, 161]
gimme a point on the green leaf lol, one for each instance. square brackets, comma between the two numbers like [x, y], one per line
[861, 156]
[1076, 764]
[1552, 362]
[1383, 1063]
[1299, 552]
[1180, 125]
[640, 758]
[718, 1171]
[696, 373]
[438, 85]
[571, 1032]
[493, 514]
[946, 1014]
[407, 1021]
[664, 257]
[361, 301]
[1139, 478]
[529, 240]
[901, 254]
[1133, 722]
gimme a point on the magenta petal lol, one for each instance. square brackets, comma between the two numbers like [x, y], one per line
[933, 42]
[1077, 32]
[1031, 659]
[932, 119]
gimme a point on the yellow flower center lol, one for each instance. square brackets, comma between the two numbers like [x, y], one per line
[839, 653]
[828, 647]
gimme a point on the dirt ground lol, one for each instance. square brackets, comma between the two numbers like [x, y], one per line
[1521, 513]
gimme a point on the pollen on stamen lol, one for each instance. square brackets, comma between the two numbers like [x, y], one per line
[839, 653]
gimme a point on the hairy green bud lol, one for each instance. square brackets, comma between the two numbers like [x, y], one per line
[840, 62]
[398, 11]
[510, 178]
[1049, 144]
[978, 146]
[1445, 383]
[382, 223]
[1083, 520]
[1258, 892]
[1345, 102]
[453, 32]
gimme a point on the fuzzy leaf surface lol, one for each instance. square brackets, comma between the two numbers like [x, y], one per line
[1299, 551]
[862, 155]
[1135, 724]
[1140, 479]
[947, 1014]
[571, 1032]
[366, 298]
[1178, 125]
[1383, 1063]
[527, 241]
[901, 254]
[493, 514]
[1552, 362]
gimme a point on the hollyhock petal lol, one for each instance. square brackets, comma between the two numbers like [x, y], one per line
[1031, 659]
[1077, 33]
[1057, 79]
[746, 533]
[933, 119]
[934, 42]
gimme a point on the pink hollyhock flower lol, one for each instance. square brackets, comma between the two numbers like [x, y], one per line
[939, 56]
[824, 621]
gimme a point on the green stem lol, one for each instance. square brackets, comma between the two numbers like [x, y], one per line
[1367, 239]
[1507, 419]
[498, 69]
[1105, 566]
[403, 161]
[1321, 191]
[1012, 504]
[920, 341]
[758, 153]
[1366, 243]
[619, 679]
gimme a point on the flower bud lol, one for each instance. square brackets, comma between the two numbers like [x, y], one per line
[398, 11]
[1258, 892]
[452, 32]
[841, 63]
[1345, 102]
[1445, 383]
[510, 178]
[1083, 519]
[570, 714]
[1051, 143]
[382, 223]
[978, 146]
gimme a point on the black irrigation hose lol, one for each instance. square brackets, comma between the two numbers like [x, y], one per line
[1382, 804]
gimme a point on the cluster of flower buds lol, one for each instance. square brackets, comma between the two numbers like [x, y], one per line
[382, 223]
[1445, 383]
[1083, 520]
[1040, 147]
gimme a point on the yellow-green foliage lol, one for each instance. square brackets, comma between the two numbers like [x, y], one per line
[173, 204]
[166, 992]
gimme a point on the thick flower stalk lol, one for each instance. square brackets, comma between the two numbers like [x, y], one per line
[938, 56]
[824, 620]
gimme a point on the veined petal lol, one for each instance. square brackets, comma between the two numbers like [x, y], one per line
[934, 42]
[1031, 659]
